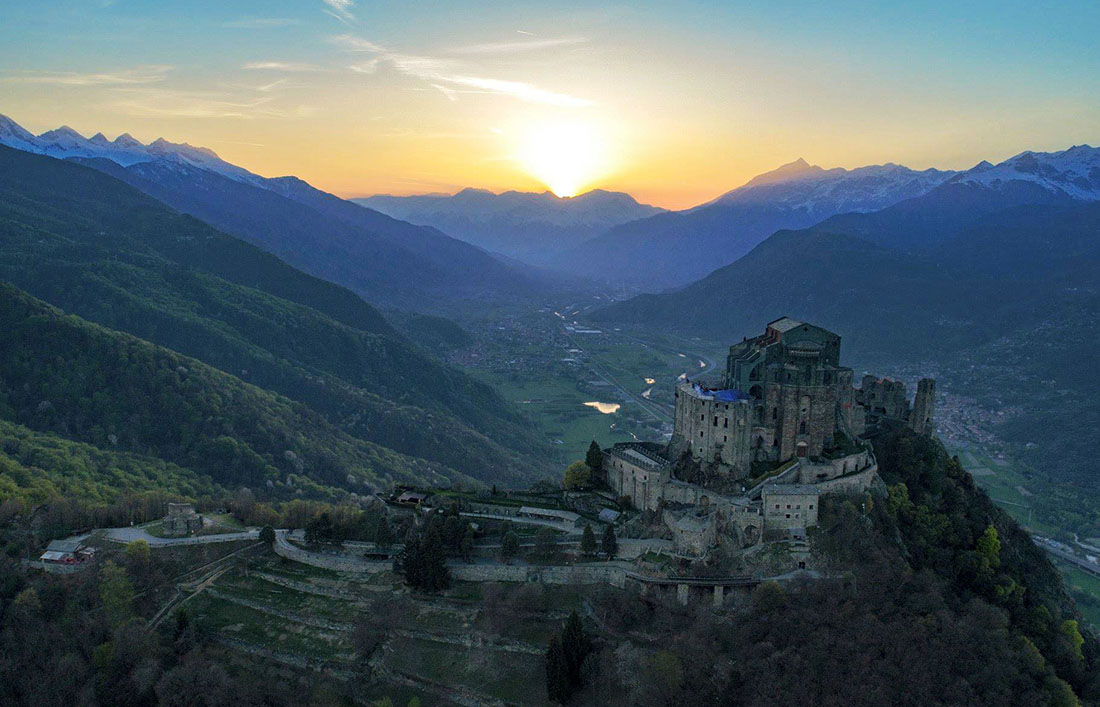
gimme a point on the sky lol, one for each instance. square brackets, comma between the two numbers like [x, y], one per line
[673, 102]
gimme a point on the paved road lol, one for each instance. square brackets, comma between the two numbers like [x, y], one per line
[125, 535]
[1067, 555]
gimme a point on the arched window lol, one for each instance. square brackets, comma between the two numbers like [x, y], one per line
[802, 427]
[756, 392]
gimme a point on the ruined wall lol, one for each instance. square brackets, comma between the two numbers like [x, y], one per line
[921, 417]
[883, 396]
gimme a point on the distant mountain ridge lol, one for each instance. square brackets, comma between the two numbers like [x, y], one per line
[528, 226]
[673, 249]
[385, 260]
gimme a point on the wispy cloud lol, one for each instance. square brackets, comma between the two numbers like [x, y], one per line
[449, 77]
[341, 9]
[139, 75]
[519, 47]
[279, 66]
[262, 22]
[164, 102]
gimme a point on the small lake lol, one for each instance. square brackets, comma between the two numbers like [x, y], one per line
[605, 408]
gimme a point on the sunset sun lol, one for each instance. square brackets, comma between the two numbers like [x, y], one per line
[566, 157]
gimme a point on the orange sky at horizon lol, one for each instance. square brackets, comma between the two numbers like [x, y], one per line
[673, 103]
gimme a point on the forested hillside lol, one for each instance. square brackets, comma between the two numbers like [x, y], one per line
[68, 377]
[97, 248]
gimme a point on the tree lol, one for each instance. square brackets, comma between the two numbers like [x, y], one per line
[139, 561]
[466, 547]
[588, 541]
[509, 545]
[544, 543]
[609, 545]
[989, 549]
[423, 561]
[577, 476]
[667, 675]
[452, 533]
[319, 529]
[594, 457]
[267, 535]
[558, 687]
[564, 659]
[383, 533]
[116, 593]
[576, 645]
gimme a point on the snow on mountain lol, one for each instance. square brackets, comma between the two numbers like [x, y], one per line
[64, 143]
[13, 135]
[1074, 172]
[799, 186]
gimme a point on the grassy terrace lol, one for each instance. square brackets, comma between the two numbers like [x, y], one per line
[511, 679]
[479, 640]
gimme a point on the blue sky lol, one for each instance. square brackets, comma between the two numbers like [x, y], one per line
[684, 99]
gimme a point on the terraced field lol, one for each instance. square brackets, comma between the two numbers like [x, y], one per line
[477, 644]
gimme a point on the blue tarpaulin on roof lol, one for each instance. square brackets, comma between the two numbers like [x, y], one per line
[730, 395]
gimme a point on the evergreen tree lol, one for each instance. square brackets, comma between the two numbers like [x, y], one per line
[609, 544]
[509, 545]
[558, 687]
[466, 547]
[588, 541]
[564, 659]
[452, 533]
[594, 457]
[267, 535]
[423, 561]
[575, 645]
[434, 562]
[383, 533]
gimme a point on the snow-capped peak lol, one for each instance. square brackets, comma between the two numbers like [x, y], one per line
[1074, 172]
[14, 135]
[801, 186]
[64, 143]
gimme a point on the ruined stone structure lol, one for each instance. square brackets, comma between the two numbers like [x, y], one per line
[921, 417]
[181, 520]
[786, 422]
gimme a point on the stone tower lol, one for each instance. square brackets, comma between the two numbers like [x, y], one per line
[921, 417]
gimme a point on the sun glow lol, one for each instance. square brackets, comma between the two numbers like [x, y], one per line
[566, 157]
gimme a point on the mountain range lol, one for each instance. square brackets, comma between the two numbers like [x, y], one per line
[675, 248]
[311, 360]
[936, 265]
[531, 227]
[387, 261]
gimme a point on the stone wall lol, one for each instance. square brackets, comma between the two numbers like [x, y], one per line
[812, 472]
[714, 430]
[866, 480]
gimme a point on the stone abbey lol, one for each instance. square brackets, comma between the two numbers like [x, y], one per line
[786, 422]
